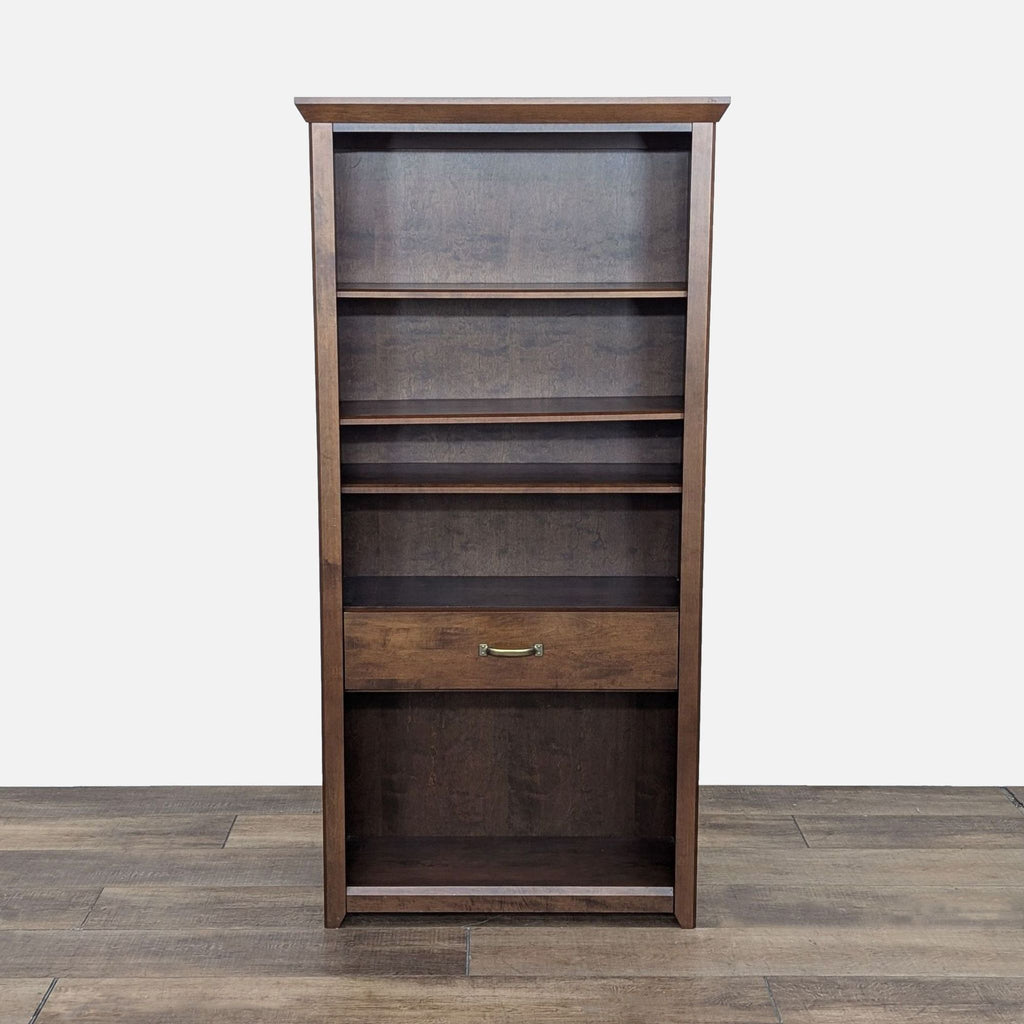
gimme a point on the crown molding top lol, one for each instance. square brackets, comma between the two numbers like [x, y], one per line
[363, 110]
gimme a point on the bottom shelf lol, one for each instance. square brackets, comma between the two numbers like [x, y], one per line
[567, 874]
[534, 899]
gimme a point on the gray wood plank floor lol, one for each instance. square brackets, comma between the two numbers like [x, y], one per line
[816, 905]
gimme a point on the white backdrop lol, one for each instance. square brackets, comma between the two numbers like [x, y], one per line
[864, 558]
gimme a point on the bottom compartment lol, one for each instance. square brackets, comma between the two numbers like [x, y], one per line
[510, 873]
[510, 801]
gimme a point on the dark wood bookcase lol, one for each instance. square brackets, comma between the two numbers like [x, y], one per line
[511, 316]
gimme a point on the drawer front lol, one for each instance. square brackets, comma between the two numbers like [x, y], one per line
[581, 650]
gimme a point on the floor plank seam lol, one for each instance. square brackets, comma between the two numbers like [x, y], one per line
[771, 997]
[223, 845]
[1013, 798]
[42, 1002]
[801, 831]
[92, 907]
[469, 933]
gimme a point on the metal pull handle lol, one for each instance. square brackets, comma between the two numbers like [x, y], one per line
[536, 651]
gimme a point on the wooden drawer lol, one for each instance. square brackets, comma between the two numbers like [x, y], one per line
[441, 650]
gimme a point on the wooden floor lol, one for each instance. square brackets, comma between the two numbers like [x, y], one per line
[817, 906]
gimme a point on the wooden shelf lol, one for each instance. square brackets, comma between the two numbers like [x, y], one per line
[509, 861]
[511, 478]
[511, 410]
[530, 290]
[509, 899]
[583, 593]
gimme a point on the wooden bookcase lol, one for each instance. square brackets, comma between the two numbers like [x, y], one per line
[511, 302]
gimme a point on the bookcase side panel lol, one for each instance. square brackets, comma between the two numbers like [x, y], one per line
[321, 162]
[692, 540]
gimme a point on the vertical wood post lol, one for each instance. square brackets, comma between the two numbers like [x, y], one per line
[691, 573]
[328, 430]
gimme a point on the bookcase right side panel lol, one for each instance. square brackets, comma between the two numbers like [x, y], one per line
[691, 570]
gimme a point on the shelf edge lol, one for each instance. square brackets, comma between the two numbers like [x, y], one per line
[510, 899]
[497, 293]
[524, 488]
[424, 419]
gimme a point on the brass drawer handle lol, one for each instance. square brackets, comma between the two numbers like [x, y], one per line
[536, 651]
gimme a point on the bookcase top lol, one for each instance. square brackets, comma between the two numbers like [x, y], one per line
[363, 110]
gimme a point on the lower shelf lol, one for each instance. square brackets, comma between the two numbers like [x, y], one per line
[506, 874]
[509, 860]
[511, 478]
[539, 592]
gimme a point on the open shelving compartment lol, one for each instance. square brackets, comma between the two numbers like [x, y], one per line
[473, 794]
[510, 800]
[509, 308]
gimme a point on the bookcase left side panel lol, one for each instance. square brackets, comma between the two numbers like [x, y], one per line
[321, 163]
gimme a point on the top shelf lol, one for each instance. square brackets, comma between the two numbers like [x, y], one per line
[531, 290]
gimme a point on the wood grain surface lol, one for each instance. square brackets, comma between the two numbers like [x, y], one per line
[511, 900]
[47, 907]
[493, 110]
[510, 478]
[510, 763]
[71, 804]
[415, 349]
[405, 1001]
[933, 832]
[157, 830]
[459, 218]
[182, 866]
[394, 650]
[511, 862]
[19, 998]
[517, 292]
[853, 800]
[810, 950]
[186, 907]
[718, 906]
[482, 593]
[864, 867]
[522, 445]
[739, 905]
[899, 1000]
[541, 535]
[882, 933]
[213, 952]
[512, 410]
[691, 545]
[329, 471]
[724, 831]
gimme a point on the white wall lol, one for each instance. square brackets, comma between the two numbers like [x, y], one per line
[864, 557]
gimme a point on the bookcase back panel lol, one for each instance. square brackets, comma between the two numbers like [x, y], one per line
[391, 349]
[510, 764]
[617, 442]
[505, 208]
[511, 535]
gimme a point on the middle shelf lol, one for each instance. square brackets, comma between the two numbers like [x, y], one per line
[511, 478]
[511, 410]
